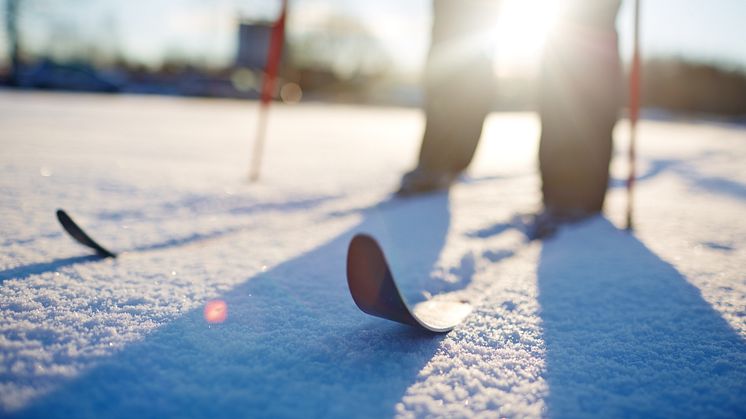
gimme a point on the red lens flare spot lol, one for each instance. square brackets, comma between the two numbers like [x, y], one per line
[216, 311]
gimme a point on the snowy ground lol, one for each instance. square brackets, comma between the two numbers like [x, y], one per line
[594, 322]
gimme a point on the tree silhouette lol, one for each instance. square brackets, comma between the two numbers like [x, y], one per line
[11, 23]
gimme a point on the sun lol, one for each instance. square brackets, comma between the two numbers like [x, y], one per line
[520, 31]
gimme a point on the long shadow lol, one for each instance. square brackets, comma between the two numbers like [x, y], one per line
[693, 177]
[199, 205]
[192, 238]
[712, 184]
[25, 271]
[628, 336]
[293, 345]
[655, 168]
[716, 184]
[495, 229]
[30, 240]
[209, 204]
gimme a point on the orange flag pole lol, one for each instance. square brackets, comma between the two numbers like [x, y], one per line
[269, 83]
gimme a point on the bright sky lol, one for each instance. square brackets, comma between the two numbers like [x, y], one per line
[203, 30]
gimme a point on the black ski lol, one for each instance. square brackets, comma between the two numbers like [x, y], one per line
[375, 292]
[80, 236]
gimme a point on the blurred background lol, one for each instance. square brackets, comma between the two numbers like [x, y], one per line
[353, 51]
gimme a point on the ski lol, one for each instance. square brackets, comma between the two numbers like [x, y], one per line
[374, 290]
[80, 236]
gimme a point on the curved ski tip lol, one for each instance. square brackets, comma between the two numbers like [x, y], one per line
[80, 236]
[374, 290]
[363, 238]
[364, 247]
[67, 223]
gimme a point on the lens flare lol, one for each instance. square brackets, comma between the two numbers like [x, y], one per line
[216, 311]
[520, 32]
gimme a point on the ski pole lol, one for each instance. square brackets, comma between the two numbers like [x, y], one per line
[634, 113]
[274, 54]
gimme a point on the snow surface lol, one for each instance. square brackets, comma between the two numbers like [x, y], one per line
[592, 323]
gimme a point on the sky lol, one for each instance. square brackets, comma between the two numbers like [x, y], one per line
[204, 31]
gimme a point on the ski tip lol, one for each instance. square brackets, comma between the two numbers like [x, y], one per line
[365, 241]
[375, 291]
[80, 236]
[365, 261]
[68, 224]
[61, 215]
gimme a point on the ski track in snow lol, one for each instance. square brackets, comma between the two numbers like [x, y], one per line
[594, 322]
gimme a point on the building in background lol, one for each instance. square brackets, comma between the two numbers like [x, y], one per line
[253, 44]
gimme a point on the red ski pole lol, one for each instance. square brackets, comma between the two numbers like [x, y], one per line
[634, 113]
[269, 82]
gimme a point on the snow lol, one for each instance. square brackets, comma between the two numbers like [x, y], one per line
[592, 323]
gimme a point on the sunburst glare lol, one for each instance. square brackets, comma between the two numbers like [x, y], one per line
[520, 31]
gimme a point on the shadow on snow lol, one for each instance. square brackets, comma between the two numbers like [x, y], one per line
[628, 336]
[25, 271]
[293, 344]
[693, 178]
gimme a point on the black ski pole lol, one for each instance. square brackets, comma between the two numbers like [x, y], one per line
[634, 113]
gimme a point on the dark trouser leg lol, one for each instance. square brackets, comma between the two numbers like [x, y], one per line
[580, 95]
[459, 85]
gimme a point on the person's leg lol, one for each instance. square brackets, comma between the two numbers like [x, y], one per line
[459, 88]
[580, 97]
